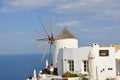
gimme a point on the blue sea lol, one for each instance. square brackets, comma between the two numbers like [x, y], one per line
[19, 67]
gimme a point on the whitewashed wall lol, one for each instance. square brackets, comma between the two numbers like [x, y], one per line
[76, 54]
[101, 64]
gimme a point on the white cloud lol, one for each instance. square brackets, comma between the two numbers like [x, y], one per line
[69, 23]
[21, 5]
[5, 9]
[78, 6]
[111, 28]
[99, 8]
[19, 33]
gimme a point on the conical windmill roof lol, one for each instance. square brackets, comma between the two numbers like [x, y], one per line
[65, 34]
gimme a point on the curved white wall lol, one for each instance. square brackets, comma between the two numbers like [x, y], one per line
[63, 43]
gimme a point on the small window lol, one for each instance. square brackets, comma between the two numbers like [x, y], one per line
[103, 52]
[85, 65]
[103, 69]
[71, 65]
[110, 68]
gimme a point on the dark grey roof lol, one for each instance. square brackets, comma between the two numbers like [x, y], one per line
[65, 34]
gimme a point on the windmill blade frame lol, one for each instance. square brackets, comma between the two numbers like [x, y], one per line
[43, 55]
[40, 45]
[49, 38]
[40, 34]
[43, 26]
[49, 22]
[53, 26]
[43, 39]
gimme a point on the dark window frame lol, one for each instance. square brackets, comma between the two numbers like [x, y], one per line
[103, 53]
[71, 65]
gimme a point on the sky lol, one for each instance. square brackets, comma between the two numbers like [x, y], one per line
[91, 21]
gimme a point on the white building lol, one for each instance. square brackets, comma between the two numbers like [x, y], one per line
[99, 62]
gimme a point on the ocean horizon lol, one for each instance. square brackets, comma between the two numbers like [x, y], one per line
[20, 66]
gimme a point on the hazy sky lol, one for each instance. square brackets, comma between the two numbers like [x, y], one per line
[89, 20]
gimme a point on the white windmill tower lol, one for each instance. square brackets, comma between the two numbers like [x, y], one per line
[65, 39]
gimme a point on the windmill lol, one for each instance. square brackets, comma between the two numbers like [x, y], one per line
[48, 38]
[65, 39]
